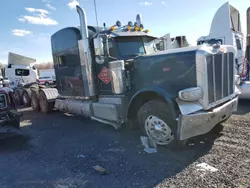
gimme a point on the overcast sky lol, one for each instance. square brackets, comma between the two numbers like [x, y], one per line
[26, 25]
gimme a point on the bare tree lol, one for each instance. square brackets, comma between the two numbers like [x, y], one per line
[44, 65]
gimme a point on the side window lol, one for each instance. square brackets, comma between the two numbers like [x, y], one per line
[61, 61]
[68, 60]
[22, 72]
[111, 50]
[238, 44]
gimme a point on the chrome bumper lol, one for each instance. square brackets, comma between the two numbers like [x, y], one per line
[203, 121]
[245, 90]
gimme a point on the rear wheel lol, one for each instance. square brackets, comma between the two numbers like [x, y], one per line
[45, 105]
[35, 101]
[157, 123]
[26, 100]
[17, 97]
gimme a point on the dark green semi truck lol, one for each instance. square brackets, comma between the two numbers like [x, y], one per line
[116, 76]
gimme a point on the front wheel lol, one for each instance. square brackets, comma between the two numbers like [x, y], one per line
[156, 121]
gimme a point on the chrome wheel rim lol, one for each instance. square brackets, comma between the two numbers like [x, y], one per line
[158, 130]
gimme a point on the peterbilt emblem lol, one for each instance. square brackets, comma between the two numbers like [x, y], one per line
[104, 75]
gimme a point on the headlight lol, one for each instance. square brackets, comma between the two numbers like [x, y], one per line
[191, 94]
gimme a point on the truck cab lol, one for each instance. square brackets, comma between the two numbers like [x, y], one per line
[117, 76]
[20, 70]
[226, 29]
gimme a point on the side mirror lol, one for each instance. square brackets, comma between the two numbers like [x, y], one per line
[99, 50]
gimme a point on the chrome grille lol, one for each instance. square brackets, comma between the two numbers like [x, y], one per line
[220, 72]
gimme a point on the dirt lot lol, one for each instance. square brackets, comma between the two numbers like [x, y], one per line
[59, 151]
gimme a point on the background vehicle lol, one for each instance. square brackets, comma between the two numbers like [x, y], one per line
[9, 116]
[166, 42]
[226, 29]
[20, 70]
[22, 75]
[47, 73]
[46, 80]
[116, 76]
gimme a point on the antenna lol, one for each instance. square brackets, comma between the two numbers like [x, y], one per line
[96, 14]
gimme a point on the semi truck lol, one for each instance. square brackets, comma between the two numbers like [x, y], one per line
[22, 75]
[226, 28]
[116, 76]
[166, 42]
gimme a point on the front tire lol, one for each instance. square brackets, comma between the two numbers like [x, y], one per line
[157, 123]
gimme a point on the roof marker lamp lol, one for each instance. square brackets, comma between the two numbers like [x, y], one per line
[141, 27]
[118, 24]
[130, 24]
[146, 31]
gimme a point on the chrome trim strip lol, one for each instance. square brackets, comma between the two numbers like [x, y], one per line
[214, 84]
[222, 75]
[228, 76]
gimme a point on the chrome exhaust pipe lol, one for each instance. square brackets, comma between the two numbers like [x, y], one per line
[88, 78]
[83, 22]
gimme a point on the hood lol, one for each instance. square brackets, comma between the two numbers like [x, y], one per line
[171, 70]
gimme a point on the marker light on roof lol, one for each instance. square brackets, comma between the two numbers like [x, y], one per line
[140, 29]
[130, 24]
[136, 28]
[146, 31]
[112, 28]
[129, 28]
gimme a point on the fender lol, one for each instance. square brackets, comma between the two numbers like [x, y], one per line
[167, 96]
[51, 93]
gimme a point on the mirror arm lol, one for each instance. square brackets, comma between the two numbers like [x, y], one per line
[107, 46]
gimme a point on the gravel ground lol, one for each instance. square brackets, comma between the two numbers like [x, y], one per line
[59, 150]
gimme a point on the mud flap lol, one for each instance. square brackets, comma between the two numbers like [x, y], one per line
[14, 118]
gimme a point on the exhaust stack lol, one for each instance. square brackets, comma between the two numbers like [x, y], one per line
[85, 56]
[248, 26]
[83, 22]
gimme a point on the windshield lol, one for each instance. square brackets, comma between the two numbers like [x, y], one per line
[135, 46]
